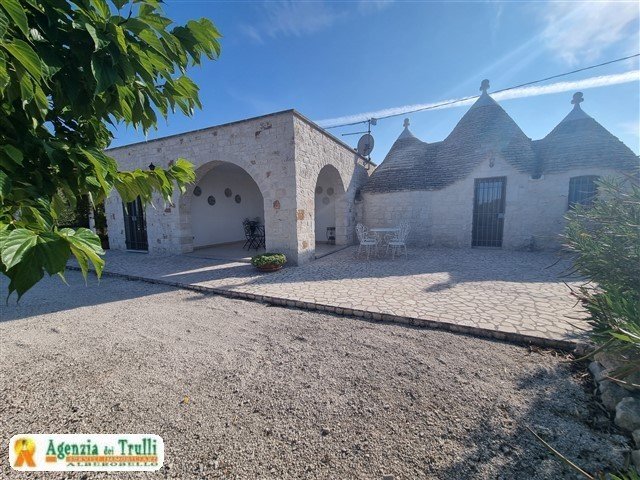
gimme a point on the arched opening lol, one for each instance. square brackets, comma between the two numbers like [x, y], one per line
[330, 219]
[219, 205]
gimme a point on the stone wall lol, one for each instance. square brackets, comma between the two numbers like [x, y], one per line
[534, 209]
[282, 152]
[263, 147]
[314, 150]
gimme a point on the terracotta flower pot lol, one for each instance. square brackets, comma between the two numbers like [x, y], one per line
[270, 267]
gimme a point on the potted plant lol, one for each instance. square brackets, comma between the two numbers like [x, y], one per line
[268, 262]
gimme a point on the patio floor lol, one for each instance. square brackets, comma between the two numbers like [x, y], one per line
[518, 296]
[235, 251]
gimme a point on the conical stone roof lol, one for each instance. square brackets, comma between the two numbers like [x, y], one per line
[580, 141]
[485, 132]
[405, 167]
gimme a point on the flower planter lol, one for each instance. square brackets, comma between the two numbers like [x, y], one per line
[271, 267]
[269, 262]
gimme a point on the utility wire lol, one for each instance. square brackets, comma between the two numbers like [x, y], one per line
[431, 107]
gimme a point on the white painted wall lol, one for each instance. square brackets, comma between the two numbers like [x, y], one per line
[534, 209]
[222, 222]
[330, 187]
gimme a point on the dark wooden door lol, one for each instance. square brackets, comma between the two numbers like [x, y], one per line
[488, 212]
[135, 226]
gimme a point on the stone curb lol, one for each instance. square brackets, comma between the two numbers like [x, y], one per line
[511, 337]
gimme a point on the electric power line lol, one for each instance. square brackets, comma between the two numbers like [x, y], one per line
[431, 107]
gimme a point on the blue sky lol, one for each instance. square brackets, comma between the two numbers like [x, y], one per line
[334, 59]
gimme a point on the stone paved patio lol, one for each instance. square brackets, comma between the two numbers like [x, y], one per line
[496, 293]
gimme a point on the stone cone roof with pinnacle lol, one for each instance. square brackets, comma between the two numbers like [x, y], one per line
[486, 131]
[578, 141]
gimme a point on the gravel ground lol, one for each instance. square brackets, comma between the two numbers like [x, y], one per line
[279, 393]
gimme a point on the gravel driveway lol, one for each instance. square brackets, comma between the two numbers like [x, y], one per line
[278, 393]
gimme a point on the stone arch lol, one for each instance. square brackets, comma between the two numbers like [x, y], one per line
[192, 211]
[330, 205]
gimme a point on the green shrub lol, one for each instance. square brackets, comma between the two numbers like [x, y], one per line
[605, 237]
[265, 259]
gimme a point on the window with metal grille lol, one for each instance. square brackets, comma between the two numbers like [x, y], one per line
[582, 190]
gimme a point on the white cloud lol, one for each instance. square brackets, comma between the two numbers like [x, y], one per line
[297, 18]
[579, 32]
[592, 82]
[289, 18]
[371, 6]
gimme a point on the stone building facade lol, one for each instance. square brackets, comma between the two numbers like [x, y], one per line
[488, 184]
[277, 158]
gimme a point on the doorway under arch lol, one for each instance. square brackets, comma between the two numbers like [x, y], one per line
[330, 217]
[220, 201]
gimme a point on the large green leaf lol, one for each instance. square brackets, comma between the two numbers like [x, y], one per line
[53, 252]
[27, 57]
[10, 158]
[103, 71]
[97, 41]
[16, 245]
[17, 14]
[85, 246]
[4, 24]
[22, 277]
[5, 185]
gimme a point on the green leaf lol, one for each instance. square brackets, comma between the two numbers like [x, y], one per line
[53, 252]
[5, 185]
[85, 246]
[22, 277]
[13, 153]
[102, 7]
[4, 24]
[98, 44]
[24, 54]
[103, 72]
[17, 14]
[16, 245]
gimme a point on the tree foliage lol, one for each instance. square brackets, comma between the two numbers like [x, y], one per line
[68, 70]
[606, 240]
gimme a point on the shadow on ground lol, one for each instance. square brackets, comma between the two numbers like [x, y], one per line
[557, 411]
[53, 295]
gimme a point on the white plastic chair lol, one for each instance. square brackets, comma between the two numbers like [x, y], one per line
[399, 241]
[365, 240]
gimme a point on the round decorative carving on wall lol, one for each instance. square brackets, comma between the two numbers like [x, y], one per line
[326, 200]
[238, 198]
[330, 191]
[197, 191]
[318, 189]
[211, 200]
[227, 192]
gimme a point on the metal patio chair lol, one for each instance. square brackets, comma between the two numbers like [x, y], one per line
[366, 241]
[399, 240]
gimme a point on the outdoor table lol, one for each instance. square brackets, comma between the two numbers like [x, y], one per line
[383, 233]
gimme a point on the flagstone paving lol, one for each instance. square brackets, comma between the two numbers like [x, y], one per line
[519, 296]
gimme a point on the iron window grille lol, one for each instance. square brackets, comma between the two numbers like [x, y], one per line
[582, 190]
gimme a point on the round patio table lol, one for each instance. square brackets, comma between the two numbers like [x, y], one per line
[383, 234]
